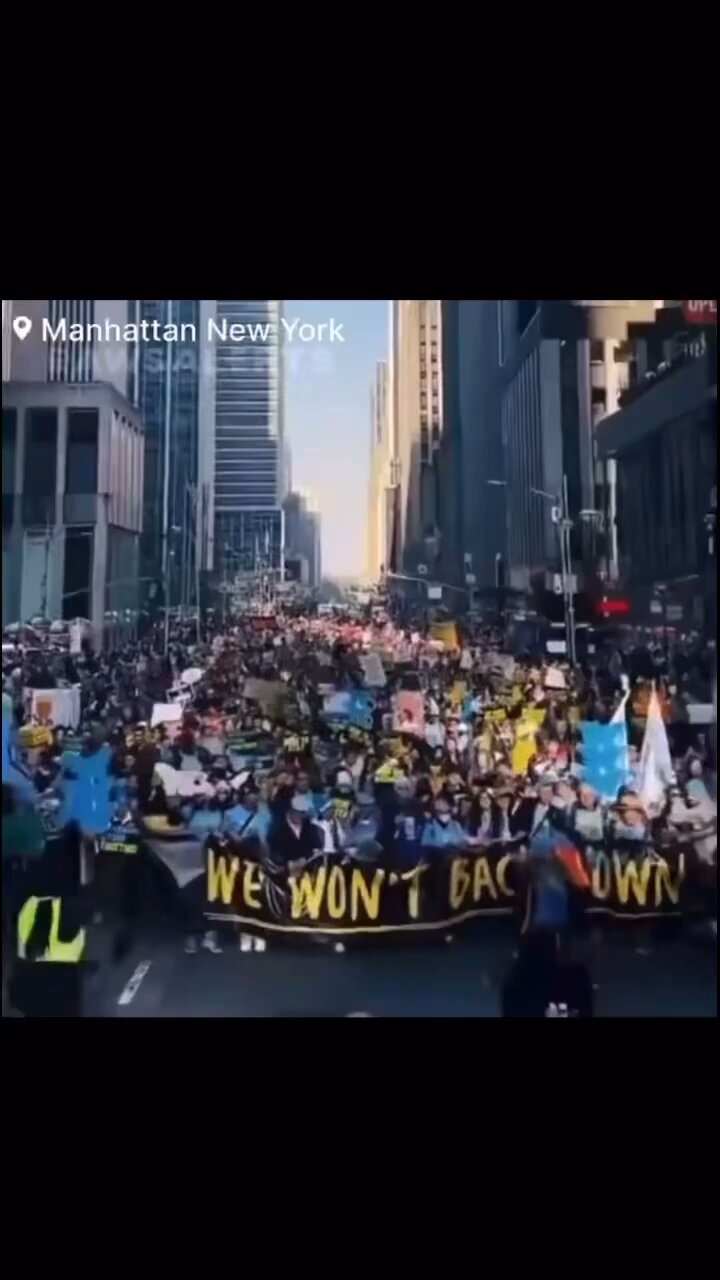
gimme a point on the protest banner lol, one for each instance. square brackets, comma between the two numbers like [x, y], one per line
[354, 898]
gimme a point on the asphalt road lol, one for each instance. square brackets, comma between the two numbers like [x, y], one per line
[461, 979]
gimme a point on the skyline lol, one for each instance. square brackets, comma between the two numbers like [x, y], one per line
[327, 421]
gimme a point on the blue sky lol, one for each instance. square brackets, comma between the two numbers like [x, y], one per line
[327, 420]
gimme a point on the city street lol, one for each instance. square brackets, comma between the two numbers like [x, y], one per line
[457, 980]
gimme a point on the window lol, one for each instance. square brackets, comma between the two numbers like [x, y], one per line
[501, 335]
[526, 309]
[9, 434]
[81, 463]
[40, 452]
[597, 352]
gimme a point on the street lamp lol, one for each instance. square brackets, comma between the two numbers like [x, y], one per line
[561, 518]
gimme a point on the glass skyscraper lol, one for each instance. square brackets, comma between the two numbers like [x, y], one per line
[168, 381]
[241, 434]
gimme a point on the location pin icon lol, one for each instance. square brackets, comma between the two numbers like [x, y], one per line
[22, 326]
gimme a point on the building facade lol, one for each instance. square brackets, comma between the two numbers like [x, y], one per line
[472, 517]
[41, 357]
[72, 473]
[303, 555]
[379, 517]
[661, 447]
[417, 411]
[241, 458]
[168, 396]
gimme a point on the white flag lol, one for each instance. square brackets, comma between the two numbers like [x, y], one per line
[619, 714]
[656, 771]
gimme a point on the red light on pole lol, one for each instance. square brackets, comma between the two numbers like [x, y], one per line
[610, 608]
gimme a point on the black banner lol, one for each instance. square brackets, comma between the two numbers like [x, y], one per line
[344, 898]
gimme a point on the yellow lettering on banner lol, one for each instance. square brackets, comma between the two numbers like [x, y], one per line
[221, 877]
[460, 882]
[370, 896]
[500, 870]
[307, 896]
[252, 882]
[482, 879]
[664, 881]
[632, 875]
[414, 892]
[337, 894]
[602, 877]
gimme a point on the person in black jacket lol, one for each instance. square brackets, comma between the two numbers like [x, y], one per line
[544, 983]
[293, 838]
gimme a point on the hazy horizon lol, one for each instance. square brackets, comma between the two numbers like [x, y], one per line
[327, 420]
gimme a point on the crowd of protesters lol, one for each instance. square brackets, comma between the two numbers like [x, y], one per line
[492, 753]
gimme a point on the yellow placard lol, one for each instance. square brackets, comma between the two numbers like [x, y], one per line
[457, 693]
[535, 715]
[524, 748]
[446, 634]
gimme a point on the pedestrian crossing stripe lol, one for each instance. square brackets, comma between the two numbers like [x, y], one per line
[131, 988]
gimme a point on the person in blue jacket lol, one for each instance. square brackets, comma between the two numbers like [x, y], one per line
[250, 817]
[443, 831]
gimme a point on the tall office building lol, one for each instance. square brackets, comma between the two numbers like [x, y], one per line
[241, 404]
[526, 384]
[417, 408]
[168, 390]
[73, 455]
[659, 455]
[380, 508]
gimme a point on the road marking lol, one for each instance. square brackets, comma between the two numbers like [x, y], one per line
[132, 987]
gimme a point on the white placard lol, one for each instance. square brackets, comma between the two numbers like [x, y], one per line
[165, 713]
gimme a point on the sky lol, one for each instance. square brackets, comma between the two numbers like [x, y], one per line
[327, 420]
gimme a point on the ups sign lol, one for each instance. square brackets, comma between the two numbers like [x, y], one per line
[701, 312]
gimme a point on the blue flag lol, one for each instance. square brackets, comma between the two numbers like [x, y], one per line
[87, 793]
[605, 757]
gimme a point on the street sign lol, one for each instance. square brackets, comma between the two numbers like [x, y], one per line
[470, 580]
[434, 593]
[656, 606]
[701, 312]
[674, 613]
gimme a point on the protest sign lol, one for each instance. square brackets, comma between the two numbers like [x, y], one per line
[409, 712]
[57, 708]
[167, 713]
[373, 671]
[445, 633]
